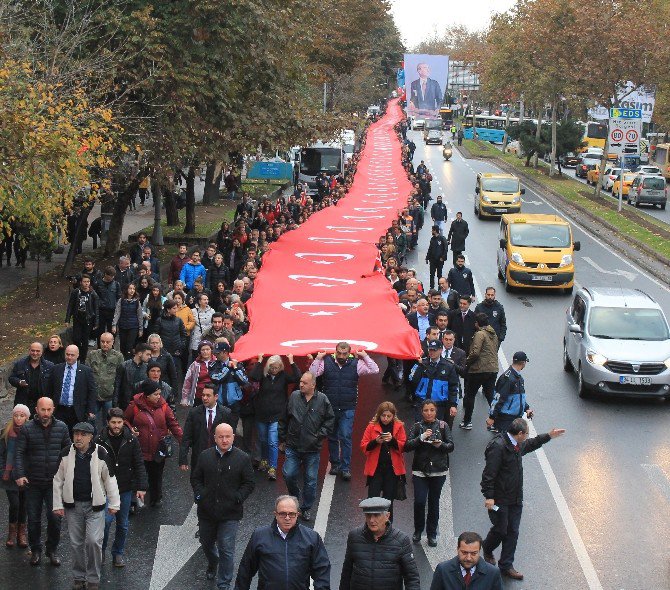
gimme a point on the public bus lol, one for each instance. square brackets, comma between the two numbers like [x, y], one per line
[489, 128]
[662, 159]
[325, 157]
[595, 134]
[447, 114]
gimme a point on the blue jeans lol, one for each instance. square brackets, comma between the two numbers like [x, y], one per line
[339, 442]
[36, 496]
[218, 542]
[291, 471]
[121, 518]
[101, 414]
[427, 489]
[268, 435]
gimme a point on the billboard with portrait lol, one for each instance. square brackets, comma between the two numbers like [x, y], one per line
[425, 83]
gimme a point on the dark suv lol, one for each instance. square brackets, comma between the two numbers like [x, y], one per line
[585, 164]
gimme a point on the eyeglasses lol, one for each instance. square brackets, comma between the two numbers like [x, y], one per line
[287, 514]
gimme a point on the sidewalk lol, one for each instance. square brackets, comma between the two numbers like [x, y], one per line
[134, 221]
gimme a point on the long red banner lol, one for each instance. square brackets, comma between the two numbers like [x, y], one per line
[318, 286]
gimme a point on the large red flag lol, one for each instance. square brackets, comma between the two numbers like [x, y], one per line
[318, 284]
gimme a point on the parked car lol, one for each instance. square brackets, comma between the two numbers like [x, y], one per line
[648, 190]
[618, 342]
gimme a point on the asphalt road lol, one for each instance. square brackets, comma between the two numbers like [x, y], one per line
[596, 502]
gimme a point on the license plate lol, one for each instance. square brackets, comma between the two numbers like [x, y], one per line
[654, 193]
[626, 380]
[501, 210]
[546, 278]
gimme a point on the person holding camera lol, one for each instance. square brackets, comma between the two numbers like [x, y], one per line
[431, 441]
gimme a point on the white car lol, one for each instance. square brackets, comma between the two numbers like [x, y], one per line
[419, 124]
[611, 174]
[650, 171]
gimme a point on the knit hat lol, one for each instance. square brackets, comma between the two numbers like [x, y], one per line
[150, 386]
[153, 365]
[21, 408]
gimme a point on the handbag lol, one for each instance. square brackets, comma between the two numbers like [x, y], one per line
[165, 445]
[401, 488]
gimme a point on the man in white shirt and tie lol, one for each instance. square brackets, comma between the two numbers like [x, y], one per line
[200, 425]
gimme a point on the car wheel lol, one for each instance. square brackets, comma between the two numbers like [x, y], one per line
[581, 386]
[637, 203]
[567, 365]
[508, 287]
[500, 275]
[662, 206]
[568, 290]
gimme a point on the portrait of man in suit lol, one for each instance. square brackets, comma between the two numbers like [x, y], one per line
[425, 93]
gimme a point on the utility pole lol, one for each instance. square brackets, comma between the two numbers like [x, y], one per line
[325, 90]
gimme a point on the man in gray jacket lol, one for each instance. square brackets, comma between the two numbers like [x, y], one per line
[309, 419]
[82, 486]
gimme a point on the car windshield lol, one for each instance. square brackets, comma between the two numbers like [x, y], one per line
[629, 177]
[434, 133]
[656, 184]
[540, 235]
[501, 185]
[650, 170]
[617, 323]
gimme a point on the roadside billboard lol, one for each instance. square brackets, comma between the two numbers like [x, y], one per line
[630, 97]
[425, 83]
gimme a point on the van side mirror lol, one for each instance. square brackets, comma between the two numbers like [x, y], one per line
[477, 190]
[523, 191]
[576, 329]
[503, 243]
[577, 246]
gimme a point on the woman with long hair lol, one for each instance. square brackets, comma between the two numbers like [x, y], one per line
[431, 442]
[128, 320]
[197, 375]
[54, 351]
[223, 237]
[270, 405]
[202, 313]
[152, 308]
[16, 496]
[144, 287]
[383, 444]
[220, 297]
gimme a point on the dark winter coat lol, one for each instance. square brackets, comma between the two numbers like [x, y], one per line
[461, 280]
[90, 315]
[128, 465]
[37, 455]
[20, 372]
[458, 231]
[448, 576]
[172, 332]
[306, 424]
[496, 314]
[502, 478]
[151, 432]
[168, 369]
[272, 396]
[109, 294]
[221, 484]
[379, 565]
[215, 274]
[438, 212]
[284, 564]
[429, 458]
[437, 249]
[196, 437]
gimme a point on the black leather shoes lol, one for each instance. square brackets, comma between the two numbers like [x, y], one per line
[53, 559]
[432, 542]
[35, 558]
[211, 573]
[416, 538]
[306, 515]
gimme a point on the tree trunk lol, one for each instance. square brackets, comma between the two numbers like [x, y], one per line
[538, 135]
[212, 182]
[554, 106]
[171, 211]
[189, 228]
[157, 235]
[114, 237]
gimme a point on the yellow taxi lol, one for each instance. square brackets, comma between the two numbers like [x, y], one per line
[628, 179]
[536, 251]
[593, 175]
[497, 194]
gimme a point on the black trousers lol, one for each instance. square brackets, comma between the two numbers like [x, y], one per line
[383, 484]
[505, 530]
[155, 476]
[81, 332]
[105, 317]
[38, 496]
[434, 267]
[127, 341]
[68, 415]
[487, 382]
[17, 506]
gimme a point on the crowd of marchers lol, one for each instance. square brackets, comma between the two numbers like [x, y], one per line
[94, 422]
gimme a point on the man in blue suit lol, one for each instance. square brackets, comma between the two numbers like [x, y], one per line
[425, 93]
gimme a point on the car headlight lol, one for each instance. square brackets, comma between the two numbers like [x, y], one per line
[516, 200]
[566, 260]
[595, 358]
[518, 259]
[487, 200]
[667, 363]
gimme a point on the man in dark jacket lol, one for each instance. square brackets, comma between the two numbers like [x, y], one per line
[30, 376]
[495, 312]
[449, 295]
[462, 323]
[460, 278]
[285, 553]
[164, 359]
[436, 255]
[467, 569]
[458, 231]
[129, 373]
[340, 373]
[109, 292]
[200, 425]
[73, 389]
[38, 449]
[177, 263]
[378, 556]
[82, 309]
[217, 272]
[439, 214]
[308, 420]
[124, 272]
[222, 481]
[452, 353]
[502, 487]
[125, 458]
[510, 396]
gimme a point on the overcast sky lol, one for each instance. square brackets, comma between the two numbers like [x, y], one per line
[418, 19]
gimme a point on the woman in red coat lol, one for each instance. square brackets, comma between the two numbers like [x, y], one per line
[383, 443]
[153, 419]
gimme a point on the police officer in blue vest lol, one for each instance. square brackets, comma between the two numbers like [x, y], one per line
[509, 401]
[340, 373]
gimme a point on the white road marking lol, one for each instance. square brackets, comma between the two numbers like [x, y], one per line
[658, 476]
[531, 202]
[559, 499]
[631, 276]
[325, 500]
[446, 545]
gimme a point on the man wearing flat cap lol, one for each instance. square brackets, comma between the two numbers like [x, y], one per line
[82, 486]
[378, 556]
